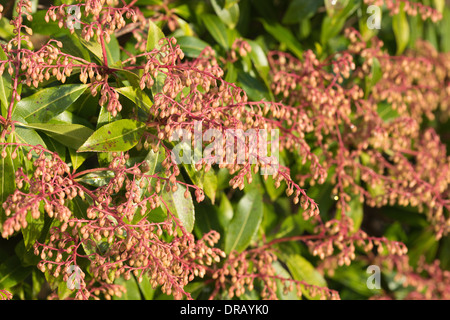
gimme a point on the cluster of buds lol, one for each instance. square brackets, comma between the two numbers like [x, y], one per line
[220, 106]
[340, 234]
[48, 184]
[411, 8]
[341, 114]
[415, 85]
[108, 18]
[241, 272]
[240, 47]
[163, 253]
[427, 281]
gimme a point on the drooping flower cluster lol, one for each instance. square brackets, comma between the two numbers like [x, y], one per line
[104, 233]
[428, 281]
[389, 154]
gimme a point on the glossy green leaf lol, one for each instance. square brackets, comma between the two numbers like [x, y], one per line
[97, 179]
[400, 26]
[137, 96]
[112, 49]
[49, 102]
[154, 35]
[229, 15]
[191, 46]
[77, 158]
[245, 222]
[302, 270]
[132, 289]
[120, 135]
[225, 211]
[12, 272]
[5, 86]
[70, 135]
[204, 180]
[8, 168]
[179, 206]
[217, 29]
[284, 36]
[255, 89]
[33, 230]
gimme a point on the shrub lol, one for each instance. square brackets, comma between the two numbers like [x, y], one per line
[127, 173]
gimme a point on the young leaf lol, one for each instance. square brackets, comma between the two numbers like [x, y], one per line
[121, 135]
[245, 222]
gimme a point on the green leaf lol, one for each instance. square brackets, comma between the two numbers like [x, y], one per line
[5, 86]
[97, 179]
[284, 36]
[375, 76]
[49, 102]
[146, 288]
[333, 24]
[12, 272]
[77, 158]
[121, 135]
[302, 270]
[225, 211]
[255, 89]
[191, 46]
[132, 289]
[8, 168]
[280, 271]
[229, 15]
[70, 118]
[32, 232]
[259, 59]
[386, 112]
[112, 49]
[400, 26]
[334, 7]
[179, 206]
[299, 10]
[70, 135]
[154, 35]
[137, 96]
[204, 180]
[28, 136]
[245, 222]
[217, 29]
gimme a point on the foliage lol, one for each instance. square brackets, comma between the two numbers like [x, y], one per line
[93, 95]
